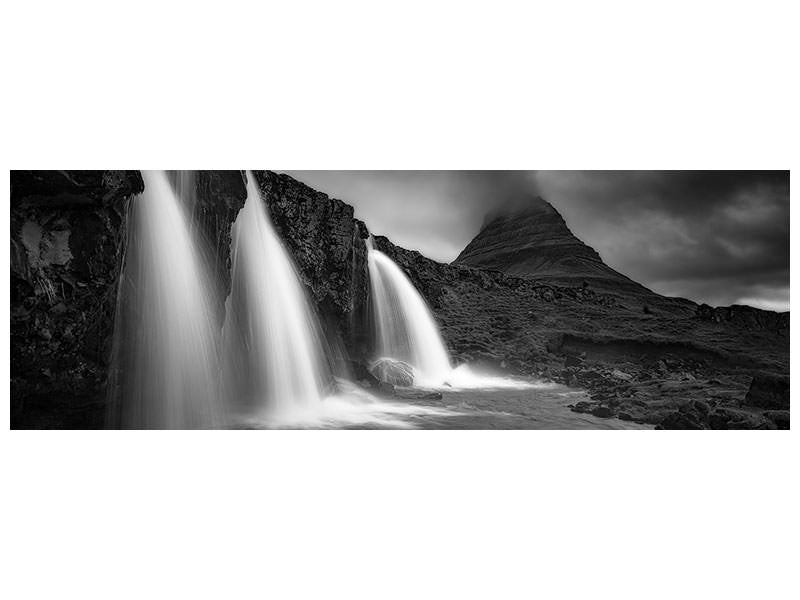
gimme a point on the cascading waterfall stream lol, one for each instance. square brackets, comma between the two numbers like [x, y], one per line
[274, 365]
[406, 331]
[165, 365]
[405, 327]
[175, 365]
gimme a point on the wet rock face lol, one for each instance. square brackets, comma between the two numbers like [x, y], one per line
[67, 229]
[393, 372]
[219, 196]
[328, 246]
[67, 246]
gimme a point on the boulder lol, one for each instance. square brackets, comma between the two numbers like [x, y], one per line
[603, 412]
[393, 372]
[680, 420]
[768, 391]
[582, 407]
[730, 418]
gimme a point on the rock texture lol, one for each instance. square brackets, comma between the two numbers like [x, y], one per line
[67, 229]
[217, 198]
[769, 392]
[393, 372]
[68, 233]
[328, 245]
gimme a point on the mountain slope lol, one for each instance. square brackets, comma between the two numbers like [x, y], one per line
[534, 242]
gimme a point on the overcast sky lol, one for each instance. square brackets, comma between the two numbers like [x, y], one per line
[717, 237]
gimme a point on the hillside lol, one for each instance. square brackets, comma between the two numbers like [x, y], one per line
[533, 241]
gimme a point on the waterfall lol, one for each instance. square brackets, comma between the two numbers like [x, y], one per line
[274, 364]
[165, 366]
[405, 328]
[406, 331]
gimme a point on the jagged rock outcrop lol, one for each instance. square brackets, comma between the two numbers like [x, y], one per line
[745, 316]
[533, 240]
[218, 198]
[67, 229]
[328, 246]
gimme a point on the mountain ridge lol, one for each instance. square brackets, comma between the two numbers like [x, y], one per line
[532, 240]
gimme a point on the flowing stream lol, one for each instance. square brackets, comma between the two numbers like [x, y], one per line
[164, 371]
[274, 365]
[404, 324]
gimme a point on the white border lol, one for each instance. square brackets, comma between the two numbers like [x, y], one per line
[574, 85]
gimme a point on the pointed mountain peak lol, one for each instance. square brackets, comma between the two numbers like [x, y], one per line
[530, 238]
[528, 205]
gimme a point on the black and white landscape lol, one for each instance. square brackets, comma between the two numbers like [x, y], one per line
[253, 299]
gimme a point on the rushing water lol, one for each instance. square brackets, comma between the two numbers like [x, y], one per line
[404, 324]
[405, 330]
[164, 371]
[274, 365]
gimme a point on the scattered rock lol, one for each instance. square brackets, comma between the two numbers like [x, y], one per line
[621, 375]
[680, 420]
[603, 412]
[719, 418]
[582, 407]
[779, 417]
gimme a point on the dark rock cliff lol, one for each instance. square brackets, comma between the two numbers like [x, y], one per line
[328, 246]
[67, 229]
[218, 198]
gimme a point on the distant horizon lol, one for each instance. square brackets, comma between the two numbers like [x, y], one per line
[719, 237]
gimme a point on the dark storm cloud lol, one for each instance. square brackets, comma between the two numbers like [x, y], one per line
[718, 237]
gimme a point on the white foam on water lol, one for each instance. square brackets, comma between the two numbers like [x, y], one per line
[349, 406]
